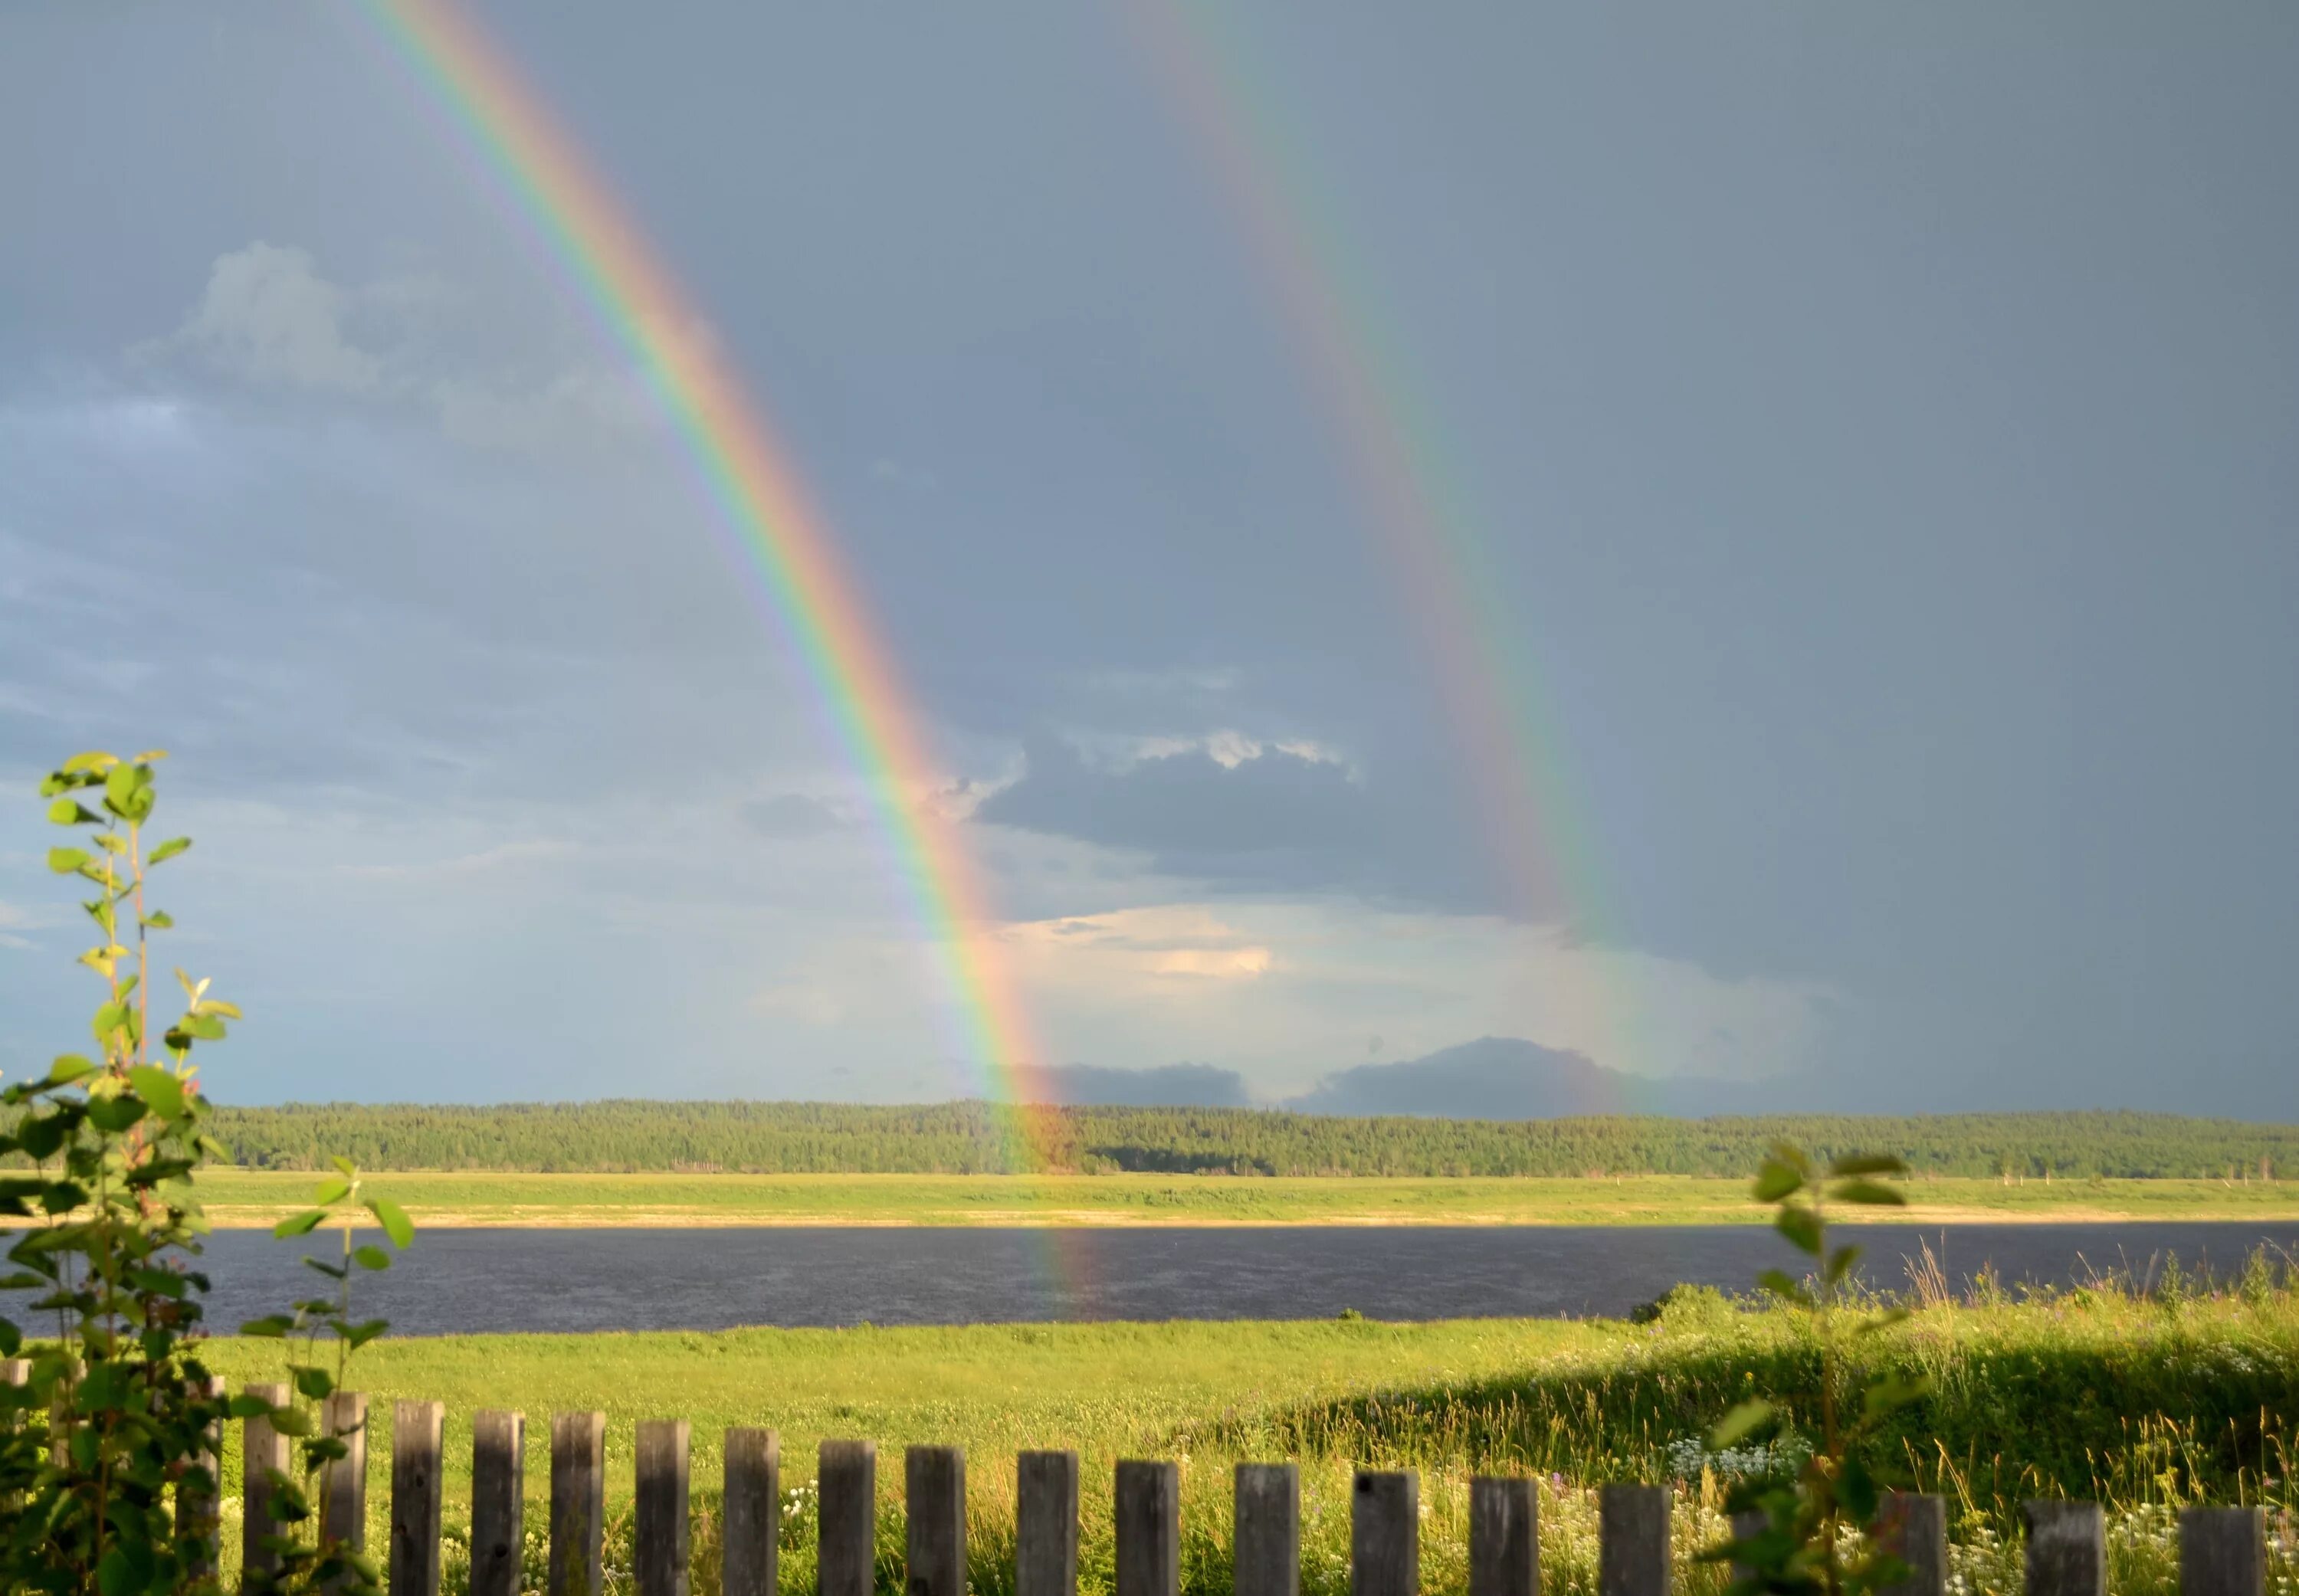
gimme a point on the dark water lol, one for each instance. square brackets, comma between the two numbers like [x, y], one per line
[467, 1280]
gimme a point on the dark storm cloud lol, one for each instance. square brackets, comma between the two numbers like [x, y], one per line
[1276, 822]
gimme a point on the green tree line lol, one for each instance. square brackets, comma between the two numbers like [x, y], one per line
[975, 1137]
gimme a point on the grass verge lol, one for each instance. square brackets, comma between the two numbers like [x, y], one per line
[2143, 1405]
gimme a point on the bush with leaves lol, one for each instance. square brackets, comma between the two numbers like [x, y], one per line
[108, 1445]
[1797, 1528]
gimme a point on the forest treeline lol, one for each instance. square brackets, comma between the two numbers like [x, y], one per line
[977, 1137]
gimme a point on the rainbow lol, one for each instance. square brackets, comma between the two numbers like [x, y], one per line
[777, 538]
[1487, 673]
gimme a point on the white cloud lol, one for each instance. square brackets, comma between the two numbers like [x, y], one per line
[268, 316]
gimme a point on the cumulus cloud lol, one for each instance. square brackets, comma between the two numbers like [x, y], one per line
[270, 318]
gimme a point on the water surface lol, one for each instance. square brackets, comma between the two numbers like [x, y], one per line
[653, 1279]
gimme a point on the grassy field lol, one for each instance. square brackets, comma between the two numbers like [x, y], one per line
[254, 1197]
[2143, 1405]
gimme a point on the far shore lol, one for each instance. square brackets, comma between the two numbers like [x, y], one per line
[248, 1199]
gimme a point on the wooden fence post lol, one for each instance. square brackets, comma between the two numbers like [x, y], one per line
[751, 1528]
[2222, 1551]
[1046, 1524]
[1149, 1512]
[578, 1504]
[415, 1460]
[1914, 1529]
[343, 1492]
[1385, 1533]
[661, 1545]
[1632, 1541]
[262, 1452]
[846, 1502]
[1504, 1537]
[1265, 1536]
[1747, 1525]
[199, 1492]
[498, 1502]
[933, 1489]
[2067, 1549]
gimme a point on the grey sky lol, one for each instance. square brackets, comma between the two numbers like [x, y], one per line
[1880, 423]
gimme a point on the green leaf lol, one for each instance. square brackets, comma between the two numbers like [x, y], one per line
[72, 812]
[167, 850]
[1871, 1193]
[97, 762]
[159, 920]
[115, 1113]
[316, 1383]
[372, 1258]
[203, 1026]
[159, 1088]
[1840, 1262]
[1776, 1180]
[358, 1336]
[331, 1191]
[272, 1325]
[1779, 1282]
[1738, 1424]
[394, 1220]
[345, 1167]
[291, 1421]
[302, 1224]
[1868, 1163]
[68, 1068]
[63, 860]
[1801, 1225]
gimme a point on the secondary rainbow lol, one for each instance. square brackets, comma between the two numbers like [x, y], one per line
[776, 536]
[1484, 668]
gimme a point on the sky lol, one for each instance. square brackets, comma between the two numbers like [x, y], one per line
[1870, 435]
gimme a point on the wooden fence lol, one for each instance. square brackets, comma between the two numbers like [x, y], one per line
[2223, 1550]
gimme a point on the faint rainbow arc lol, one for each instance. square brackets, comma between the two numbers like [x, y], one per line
[1486, 677]
[779, 539]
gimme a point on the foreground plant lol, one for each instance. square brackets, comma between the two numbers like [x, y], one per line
[1798, 1546]
[107, 1445]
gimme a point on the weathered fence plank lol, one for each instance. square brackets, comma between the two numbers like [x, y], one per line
[498, 1502]
[1046, 1524]
[1504, 1537]
[660, 1544]
[847, 1503]
[262, 1453]
[1632, 1541]
[1265, 1537]
[2067, 1549]
[1149, 1504]
[578, 1504]
[342, 1489]
[1913, 1528]
[1385, 1532]
[415, 1467]
[751, 1531]
[934, 1483]
[2222, 1551]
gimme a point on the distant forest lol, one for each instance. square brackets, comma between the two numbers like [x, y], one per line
[975, 1137]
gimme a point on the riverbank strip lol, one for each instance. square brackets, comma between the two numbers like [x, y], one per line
[247, 1199]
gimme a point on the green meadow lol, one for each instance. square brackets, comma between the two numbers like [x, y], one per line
[2145, 1403]
[240, 1198]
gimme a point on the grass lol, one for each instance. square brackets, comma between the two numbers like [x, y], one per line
[261, 1197]
[2145, 1405]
